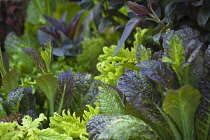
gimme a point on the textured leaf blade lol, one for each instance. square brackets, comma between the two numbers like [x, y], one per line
[13, 101]
[128, 28]
[110, 101]
[143, 101]
[66, 86]
[181, 106]
[117, 126]
[158, 72]
[36, 57]
[174, 50]
[2, 110]
[202, 120]
[137, 9]
[10, 81]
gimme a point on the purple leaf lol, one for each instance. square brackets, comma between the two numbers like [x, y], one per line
[36, 57]
[44, 29]
[158, 72]
[137, 9]
[58, 24]
[74, 24]
[128, 28]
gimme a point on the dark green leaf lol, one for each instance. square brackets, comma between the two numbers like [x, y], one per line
[128, 28]
[12, 103]
[158, 72]
[181, 106]
[110, 100]
[115, 126]
[105, 22]
[203, 15]
[36, 58]
[10, 81]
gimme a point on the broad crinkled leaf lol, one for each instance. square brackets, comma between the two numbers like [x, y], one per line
[110, 100]
[28, 101]
[66, 85]
[36, 58]
[143, 99]
[13, 101]
[10, 81]
[181, 106]
[85, 91]
[202, 119]
[158, 72]
[137, 9]
[2, 110]
[174, 50]
[115, 126]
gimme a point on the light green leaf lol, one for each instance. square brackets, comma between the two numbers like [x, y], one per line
[47, 54]
[175, 51]
[10, 81]
[109, 100]
[50, 134]
[29, 123]
[49, 85]
[181, 106]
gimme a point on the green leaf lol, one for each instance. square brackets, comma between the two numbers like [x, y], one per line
[110, 100]
[181, 106]
[115, 126]
[29, 123]
[175, 52]
[49, 85]
[47, 54]
[10, 81]
[203, 15]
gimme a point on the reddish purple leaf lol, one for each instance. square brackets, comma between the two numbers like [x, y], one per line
[73, 24]
[56, 36]
[128, 28]
[58, 24]
[137, 9]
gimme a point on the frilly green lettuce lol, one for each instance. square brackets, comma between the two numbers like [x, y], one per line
[112, 67]
[71, 125]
